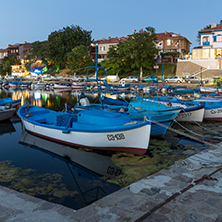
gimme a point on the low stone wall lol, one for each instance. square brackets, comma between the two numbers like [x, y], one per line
[186, 67]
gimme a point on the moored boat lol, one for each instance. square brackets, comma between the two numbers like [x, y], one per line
[6, 112]
[61, 85]
[13, 103]
[77, 85]
[94, 128]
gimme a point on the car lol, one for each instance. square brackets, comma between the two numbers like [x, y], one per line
[195, 79]
[130, 79]
[112, 78]
[174, 79]
[9, 77]
[150, 78]
[78, 79]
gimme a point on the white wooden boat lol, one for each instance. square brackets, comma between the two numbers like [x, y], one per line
[61, 86]
[10, 101]
[94, 128]
[77, 85]
[6, 112]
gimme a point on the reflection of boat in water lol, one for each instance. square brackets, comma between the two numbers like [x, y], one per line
[102, 165]
[6, 127]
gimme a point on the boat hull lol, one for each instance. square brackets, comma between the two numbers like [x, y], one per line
[88, 130]
[7, 113]
[213, 114]
[192, 115]
[135, 141]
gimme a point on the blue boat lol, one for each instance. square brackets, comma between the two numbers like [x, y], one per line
[7, 101]
[93, 128]
[181, 90]
[137, 110]
[190, 112]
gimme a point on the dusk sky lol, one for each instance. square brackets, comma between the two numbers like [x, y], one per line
[31, 21]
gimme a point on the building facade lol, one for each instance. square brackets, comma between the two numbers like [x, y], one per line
[103, 46]
[172, 46]
[210, 43]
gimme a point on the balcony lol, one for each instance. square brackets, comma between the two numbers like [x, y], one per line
[206, 43]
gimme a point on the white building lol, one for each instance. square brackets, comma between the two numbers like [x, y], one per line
[210, 43]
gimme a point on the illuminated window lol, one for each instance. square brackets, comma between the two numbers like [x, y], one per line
[168, 42]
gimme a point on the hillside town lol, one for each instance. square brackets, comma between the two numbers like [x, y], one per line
[204, 60]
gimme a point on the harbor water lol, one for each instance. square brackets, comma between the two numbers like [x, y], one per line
[77, 177]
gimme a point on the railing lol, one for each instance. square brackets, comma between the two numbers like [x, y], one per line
[206, 43]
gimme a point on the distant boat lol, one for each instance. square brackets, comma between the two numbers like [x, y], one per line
[38, 85]
[24, 85]
[14, 84]
[120, 87]
[6, 112]
[77, 85]
[61, 85]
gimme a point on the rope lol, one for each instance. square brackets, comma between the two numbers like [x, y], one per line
[187, 129]
[183, 134]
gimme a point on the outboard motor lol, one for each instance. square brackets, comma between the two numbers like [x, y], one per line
[84, 102]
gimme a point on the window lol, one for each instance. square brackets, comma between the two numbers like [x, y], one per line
[102, 48]
[219, 38]
[168, 42]
[205, 39]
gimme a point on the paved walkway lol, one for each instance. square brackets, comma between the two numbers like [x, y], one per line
[188, 191]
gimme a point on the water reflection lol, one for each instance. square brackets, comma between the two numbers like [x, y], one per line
[85, 168]
[6, 127]
[99, 164]
[53, 99]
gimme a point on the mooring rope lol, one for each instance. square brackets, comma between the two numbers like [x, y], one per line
[183, 133]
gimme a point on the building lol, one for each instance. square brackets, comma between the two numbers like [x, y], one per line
[103, 46]
[19, 50]
[172, 46]
[24, 50]
[206, 59]
[3, 54]
[210, 43]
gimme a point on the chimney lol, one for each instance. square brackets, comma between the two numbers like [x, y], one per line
[109, 37]
[213, 25]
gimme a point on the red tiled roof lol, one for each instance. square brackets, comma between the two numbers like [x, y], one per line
[111, 40]
[4, 50]
[219, 27]
[167, 35]
[12, 46]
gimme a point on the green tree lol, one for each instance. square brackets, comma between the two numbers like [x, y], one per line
[79, 58]
[7, 62]
[63, 41]
[39, 50]
[118, 61]
[137, 52]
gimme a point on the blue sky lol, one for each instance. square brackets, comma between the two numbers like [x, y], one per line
[31, 21]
